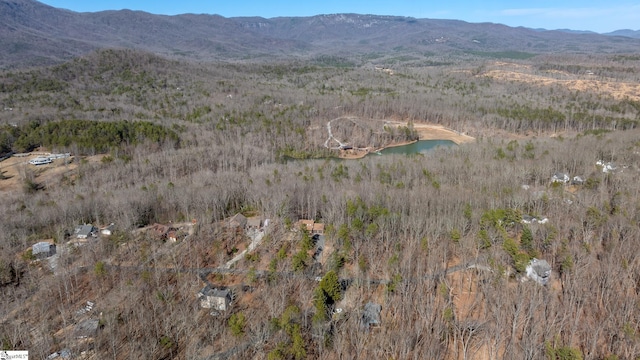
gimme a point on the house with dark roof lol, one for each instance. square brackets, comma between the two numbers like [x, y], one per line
[43, 249]
[214, 298]
[539, 271]
[163, 232]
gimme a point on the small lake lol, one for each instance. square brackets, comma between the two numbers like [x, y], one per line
[422, 146]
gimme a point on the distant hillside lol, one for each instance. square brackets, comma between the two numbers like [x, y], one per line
[32, 33]
[626, 32]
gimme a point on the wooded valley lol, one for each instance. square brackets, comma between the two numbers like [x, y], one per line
[440, 241]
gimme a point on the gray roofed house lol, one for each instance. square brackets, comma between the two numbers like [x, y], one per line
[560, 177]
[527, 219]
[577, 180]
[238, 221]
[539, 271]
[87, 328]
[85, 231]
[370, 315]
[62, 354]
[214, 298]
[43, 250]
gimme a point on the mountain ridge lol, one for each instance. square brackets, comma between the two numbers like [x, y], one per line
[38, 34]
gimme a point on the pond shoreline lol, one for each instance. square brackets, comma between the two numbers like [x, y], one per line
[425, 132]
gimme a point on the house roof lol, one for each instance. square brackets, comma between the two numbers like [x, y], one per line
[318, 227]
[109, 227]
[215, 292]
[527, 218]
[84, 230]
[238, 220]
[254, 222]
[87, 328]
[371, 314]
[539, 271]
[41, 247]
[541, 267]
[160, 230]
[308, 224]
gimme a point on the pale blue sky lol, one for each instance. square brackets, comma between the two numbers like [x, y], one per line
[599, 16]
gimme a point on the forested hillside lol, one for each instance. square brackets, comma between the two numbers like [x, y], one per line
[440, 241]
[35, 34]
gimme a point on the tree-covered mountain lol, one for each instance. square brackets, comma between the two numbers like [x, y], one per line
[32, 33]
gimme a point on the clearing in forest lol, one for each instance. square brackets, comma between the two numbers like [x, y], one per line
[584, 83]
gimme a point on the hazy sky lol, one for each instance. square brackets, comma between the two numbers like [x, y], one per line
[600, 16]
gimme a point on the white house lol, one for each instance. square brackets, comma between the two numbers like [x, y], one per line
[108, 230]
[607, 167]
[528, 219]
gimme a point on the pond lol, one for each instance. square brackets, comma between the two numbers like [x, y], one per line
[418, 147]
[421, 146]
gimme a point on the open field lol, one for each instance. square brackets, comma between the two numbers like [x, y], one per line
[583, 82]
[16, 170]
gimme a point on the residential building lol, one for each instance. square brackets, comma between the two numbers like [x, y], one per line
[370, 316]
[85, 231]
[304, 224]
[318, 228]
[539, 271]
[214, 298]
[560, 177]
[43, 249]
[87, 329]
[238, 221]
[108, 230]
[310, 226]
[254, 223]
